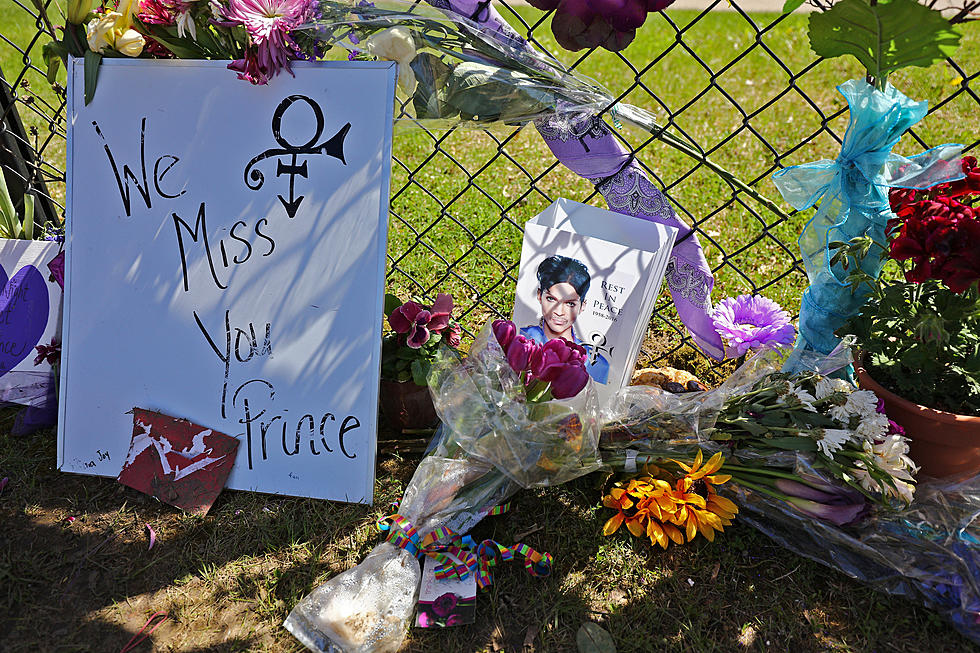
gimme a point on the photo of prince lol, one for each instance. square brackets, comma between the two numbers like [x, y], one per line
[562, 285]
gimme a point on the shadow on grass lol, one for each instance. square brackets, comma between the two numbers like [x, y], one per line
[76, 572]
[228, 580]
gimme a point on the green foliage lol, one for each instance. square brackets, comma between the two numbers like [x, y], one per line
[400, 362]
[475, 90]
[11, 225]
[884, 37]
[93, 61]
[921, 341]
[792, 5]
[430, 96]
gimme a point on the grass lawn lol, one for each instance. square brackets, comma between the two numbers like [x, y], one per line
[228, 580]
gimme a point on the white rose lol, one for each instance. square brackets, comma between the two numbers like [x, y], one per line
[130, 43]
[395, 44]
[100, 32]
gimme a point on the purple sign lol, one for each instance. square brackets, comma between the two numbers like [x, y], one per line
[23, 315]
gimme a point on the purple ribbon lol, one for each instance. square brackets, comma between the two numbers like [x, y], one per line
[584, 144]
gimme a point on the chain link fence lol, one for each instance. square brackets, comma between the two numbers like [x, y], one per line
[742, 90]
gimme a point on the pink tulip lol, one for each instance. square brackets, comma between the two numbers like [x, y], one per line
[520, 351]
[505, 331]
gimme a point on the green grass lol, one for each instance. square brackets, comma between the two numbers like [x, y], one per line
[458, 209]
[229, 580]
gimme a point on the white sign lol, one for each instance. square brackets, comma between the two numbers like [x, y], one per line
[30, 315]
[225, 264]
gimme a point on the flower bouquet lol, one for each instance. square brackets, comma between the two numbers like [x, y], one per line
[813, 442]
[501, 430]
[919, 329]
[810, 461]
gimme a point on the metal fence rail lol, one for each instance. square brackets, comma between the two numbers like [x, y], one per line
[459, 197]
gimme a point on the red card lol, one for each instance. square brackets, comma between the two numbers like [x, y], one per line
[176, 461]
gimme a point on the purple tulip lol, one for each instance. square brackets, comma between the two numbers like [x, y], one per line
[520, 351]
[838, 505]
[570, 382]
[549, 362]
[840, 515]
[505, 331]
[805, 491]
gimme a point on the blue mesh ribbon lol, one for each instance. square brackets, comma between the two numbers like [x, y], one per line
[853, 196]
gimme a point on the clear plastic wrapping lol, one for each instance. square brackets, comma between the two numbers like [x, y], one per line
[928, 552]
[453, 71]
[481, 404]
[492, 443]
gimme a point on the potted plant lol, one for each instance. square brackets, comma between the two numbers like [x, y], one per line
[919, 330]
[419, 333]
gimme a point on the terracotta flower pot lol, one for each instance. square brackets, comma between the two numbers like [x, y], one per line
[942, 444]
[406, 405]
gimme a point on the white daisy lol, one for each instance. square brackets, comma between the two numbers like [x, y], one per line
[827, 386]
[833, 440]
[862, 403]
[840, 414]
[873, 427]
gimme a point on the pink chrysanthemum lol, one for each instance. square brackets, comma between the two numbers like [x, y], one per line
[269, 23]
[160, 12]
[750, 322]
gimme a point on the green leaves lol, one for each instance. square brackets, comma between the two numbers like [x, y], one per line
[431, 72]
[391, 303]
[792, 5]
[493, 93]
[922, 341]
[11, 225]
[884, 37]
[93, 60]
[476, 90]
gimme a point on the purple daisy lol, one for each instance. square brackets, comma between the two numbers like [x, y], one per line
[750, 322]
[269, 23]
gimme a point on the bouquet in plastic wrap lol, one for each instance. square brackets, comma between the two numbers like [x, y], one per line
[503, 429]
[813, 463]
[453, 70]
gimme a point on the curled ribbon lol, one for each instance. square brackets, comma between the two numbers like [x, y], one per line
[460, 556]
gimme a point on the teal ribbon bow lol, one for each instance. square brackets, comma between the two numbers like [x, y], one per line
[853, 196]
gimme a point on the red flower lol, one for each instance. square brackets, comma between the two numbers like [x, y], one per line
[418, 321]
[453, 335]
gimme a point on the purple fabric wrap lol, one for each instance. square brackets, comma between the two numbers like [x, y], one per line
[585, 145]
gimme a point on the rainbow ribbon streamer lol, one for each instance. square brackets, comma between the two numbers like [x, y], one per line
[460, 556]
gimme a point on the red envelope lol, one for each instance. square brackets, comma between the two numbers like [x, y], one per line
[177, 461]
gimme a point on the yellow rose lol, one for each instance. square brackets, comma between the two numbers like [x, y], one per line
[101, 34]
[130, 43]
